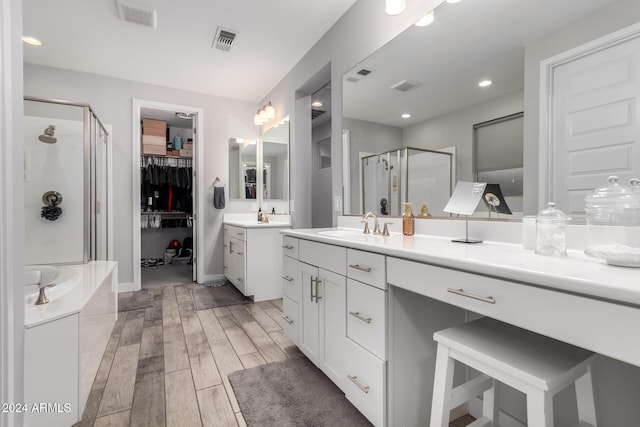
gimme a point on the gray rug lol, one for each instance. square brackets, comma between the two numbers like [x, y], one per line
[292, 393]
[217, 296]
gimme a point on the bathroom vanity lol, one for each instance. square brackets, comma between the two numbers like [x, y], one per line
[377, 301]
[249, 242]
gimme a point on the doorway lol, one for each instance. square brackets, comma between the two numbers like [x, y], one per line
[321, 211]
[166, 193]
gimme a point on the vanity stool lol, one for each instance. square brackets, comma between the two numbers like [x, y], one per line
[536, 365]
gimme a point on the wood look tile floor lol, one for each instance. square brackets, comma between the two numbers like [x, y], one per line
[167, 364]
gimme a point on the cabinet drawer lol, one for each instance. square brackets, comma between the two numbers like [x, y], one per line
[366, 317]
[329, 257]
[291, 326]
[290, 246]
[366, 383]
[366, 267]
[544, 311]
[291, 278]
[236, 232]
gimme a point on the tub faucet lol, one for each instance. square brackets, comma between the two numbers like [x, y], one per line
[42, 298]
[376, 225]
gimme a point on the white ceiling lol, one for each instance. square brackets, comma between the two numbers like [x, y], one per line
[468, 42]
[87, 35]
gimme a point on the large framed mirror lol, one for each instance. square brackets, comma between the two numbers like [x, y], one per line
[259, 169]
[434, 87]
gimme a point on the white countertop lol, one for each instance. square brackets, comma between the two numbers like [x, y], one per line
[575, 273]
[256, 224]
[84, 281]
[251, 220]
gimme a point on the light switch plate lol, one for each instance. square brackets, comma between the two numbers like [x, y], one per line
[337, 203]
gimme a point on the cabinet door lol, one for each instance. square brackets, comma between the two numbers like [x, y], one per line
[309, 337]
[332, 290]
[227, 257]
[240, 267]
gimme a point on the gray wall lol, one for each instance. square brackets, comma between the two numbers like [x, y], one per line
[321, 202]
[112, 100]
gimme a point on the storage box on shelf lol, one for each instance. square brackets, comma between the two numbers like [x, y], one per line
[156, 150]
[154, 128]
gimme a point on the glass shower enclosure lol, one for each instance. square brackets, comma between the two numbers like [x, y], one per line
[65, 183]
[415, 175]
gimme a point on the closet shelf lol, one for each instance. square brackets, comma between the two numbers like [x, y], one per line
[165, 213]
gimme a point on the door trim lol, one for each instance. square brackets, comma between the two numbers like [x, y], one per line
[547, 70]
[198, 163]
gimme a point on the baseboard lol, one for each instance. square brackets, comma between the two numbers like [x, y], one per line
[126, 287]
[475, 410]
[211, 278]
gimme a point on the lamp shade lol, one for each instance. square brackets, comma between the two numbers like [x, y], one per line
[270, 111]
[395, 7]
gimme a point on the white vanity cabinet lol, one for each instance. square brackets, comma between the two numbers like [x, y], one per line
[324, 293]
[292, 289]
[367, 334]
[258, 246]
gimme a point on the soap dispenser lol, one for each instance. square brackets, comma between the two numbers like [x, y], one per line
[259, 214]
[408, 220]
[424, 211]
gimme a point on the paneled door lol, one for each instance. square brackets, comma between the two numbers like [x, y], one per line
[595, 128]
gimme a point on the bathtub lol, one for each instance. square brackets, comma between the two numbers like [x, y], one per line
[65, 339]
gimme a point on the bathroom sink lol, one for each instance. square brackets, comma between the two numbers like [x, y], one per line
[340, 233]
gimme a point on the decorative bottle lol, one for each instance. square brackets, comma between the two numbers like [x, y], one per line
[408, 220]
[424, 211]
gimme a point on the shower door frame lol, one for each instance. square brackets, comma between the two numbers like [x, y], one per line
[89, 243]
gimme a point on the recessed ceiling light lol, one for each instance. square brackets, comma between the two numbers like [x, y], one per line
[316, 104]
[425, 20]
[485, 83]
[31, 40]
[406, 116]
[453, 1]
[395, 7]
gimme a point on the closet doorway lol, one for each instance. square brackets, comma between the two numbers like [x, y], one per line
[166, 193]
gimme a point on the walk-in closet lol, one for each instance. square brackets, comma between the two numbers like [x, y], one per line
[166, 197]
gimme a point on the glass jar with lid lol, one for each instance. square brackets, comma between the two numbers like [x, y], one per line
[613, 223]
[551, 231]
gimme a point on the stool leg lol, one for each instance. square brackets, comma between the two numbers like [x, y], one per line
[584, 396]
[539, 408]
[442, 386]
[491, 403]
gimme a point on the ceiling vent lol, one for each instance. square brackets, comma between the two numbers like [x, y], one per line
[406, 85]
[137, 13]
[225, 39]
[358, 75]
[316, 113]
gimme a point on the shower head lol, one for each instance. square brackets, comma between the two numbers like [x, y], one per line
[47, 136]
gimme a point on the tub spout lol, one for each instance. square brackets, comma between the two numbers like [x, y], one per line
[42, 298]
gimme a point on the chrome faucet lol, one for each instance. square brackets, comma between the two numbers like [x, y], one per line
[376, 225]
[42, 298]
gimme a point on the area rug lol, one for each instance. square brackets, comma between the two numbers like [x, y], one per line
[292, 393]
[217, 296]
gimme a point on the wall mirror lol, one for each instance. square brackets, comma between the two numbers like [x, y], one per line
[259, 169]
[422, 90]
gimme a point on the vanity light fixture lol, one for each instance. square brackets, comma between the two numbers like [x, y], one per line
[266, 113]
[485, 83]
[316, 104]
[31, 40]
[406, 116]
[395, 7]
[425, 20]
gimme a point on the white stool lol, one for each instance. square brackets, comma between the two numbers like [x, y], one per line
[538, 366]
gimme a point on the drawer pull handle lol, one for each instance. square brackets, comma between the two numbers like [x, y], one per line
[354, 379]
[464, 293]
[240, 279]
[287, 278]
[240, 234]
[357, 315]
[240, 253]
[359, 267]
[286, 319]
[287, 246]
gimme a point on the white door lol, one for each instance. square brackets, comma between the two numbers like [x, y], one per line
[194, 198]
[332, 292]
[595, 131]
[309, 339]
